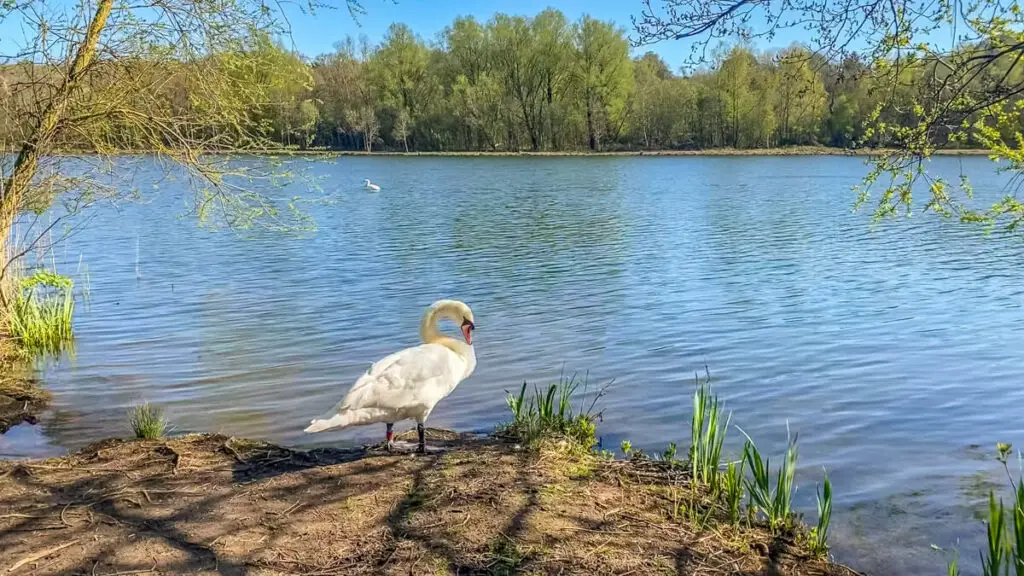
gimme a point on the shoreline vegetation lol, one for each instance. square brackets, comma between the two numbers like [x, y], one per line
[725, 151]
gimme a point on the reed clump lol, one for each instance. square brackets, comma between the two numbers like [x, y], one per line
[1004, 552]
[39, 313]
[715, 487]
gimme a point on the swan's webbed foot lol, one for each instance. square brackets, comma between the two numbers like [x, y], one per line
[422, 447]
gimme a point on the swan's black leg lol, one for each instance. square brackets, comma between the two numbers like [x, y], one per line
[391, 436]
[422, 448]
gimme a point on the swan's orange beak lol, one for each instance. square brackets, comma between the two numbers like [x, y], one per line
[467, 331]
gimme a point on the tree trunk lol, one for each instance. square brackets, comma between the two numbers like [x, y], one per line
[42, 135]
[590, 126]
[551, 118]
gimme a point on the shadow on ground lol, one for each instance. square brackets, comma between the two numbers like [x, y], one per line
[216, 505]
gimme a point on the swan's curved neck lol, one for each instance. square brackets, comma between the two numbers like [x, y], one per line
[429, 333]
[428, 327]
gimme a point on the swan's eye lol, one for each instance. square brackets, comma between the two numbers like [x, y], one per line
[467, 323]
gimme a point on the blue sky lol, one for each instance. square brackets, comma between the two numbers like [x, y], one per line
[317, 33]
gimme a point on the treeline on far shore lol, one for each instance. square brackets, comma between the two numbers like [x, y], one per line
[510, 84]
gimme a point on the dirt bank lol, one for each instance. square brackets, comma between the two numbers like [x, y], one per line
[21, 398]
[214, 505]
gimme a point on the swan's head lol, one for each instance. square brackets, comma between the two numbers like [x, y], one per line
[366, 182]
[458, 313]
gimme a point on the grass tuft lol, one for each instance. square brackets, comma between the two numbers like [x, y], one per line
[147, 422]
[550, 415]
[40, 312]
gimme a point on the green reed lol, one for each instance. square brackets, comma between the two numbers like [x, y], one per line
[550, 413]
[732, 488]
[775, 504]
[818, 538]
[40, 313]
[707, 434]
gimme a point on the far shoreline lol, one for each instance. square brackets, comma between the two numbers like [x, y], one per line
[785, 151]
[710, 152]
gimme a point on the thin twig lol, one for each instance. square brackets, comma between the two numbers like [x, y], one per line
[40, 555]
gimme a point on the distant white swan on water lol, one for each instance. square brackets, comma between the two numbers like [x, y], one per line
[370, 186]
[408, 384]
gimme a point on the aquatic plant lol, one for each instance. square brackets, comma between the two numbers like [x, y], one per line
[732, 489]
[627, 447]
[775, 504]
[40, 311]
[707, 434]
[818, 538]
[993, 558]
[147, 422]
[1017, 523]
[550, 414]
[953, 567]
[670, 452]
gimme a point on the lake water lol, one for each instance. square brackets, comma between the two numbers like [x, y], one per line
[896, 353]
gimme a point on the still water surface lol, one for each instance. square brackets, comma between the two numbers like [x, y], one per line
[896, 353]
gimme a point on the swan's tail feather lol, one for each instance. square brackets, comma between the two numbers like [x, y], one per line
[321, 424]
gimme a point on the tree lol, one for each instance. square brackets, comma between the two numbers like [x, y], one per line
[401, 128]
[516, 64]
[931, 95]
[364, 120]
[338, 88]
[398, 69]
[801, 98]
[308, 117]
[551, 48]
[603, 76]
[176, 78]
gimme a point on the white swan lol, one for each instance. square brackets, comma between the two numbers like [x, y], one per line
[369, 186]
[408, 384]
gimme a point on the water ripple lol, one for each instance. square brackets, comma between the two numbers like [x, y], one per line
[890, 349]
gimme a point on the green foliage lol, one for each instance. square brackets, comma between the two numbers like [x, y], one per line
[993, 558]
[732, 489]
[40, 313]
[1017, 535]
[818, 538]
[953, 567]
[550, 415]
[627, 447]
[915, 88]
[670, 452]
[773, 502]
[511, 83]
[147, 422]
[707, 433]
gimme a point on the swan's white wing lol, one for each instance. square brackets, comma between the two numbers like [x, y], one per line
[418, 376]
